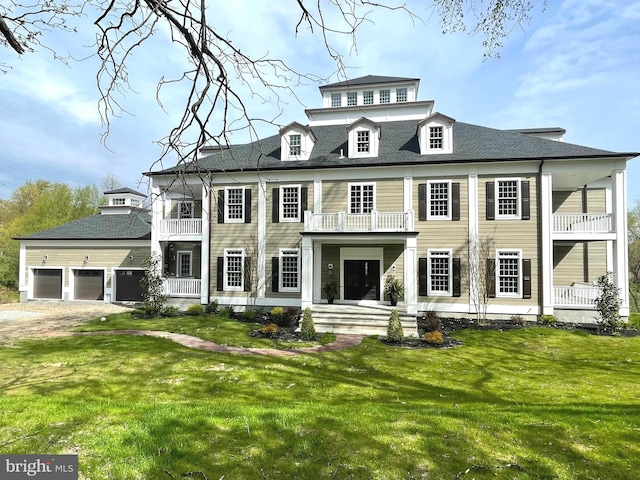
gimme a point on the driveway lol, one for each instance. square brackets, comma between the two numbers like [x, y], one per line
[41, 318]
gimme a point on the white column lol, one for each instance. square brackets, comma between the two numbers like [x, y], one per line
[546, 242]
[157, 204]
[317, 271]
[262, 240]
[408, 194]
[411, 275]
[205, 242]
[306, 273]
[317, 196]
[620, 246]
[23, 286]
[472, 182]
[608, 205]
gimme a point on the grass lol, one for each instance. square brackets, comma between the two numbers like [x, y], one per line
[525, 404]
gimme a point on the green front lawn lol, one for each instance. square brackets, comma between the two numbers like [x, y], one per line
[524, 404]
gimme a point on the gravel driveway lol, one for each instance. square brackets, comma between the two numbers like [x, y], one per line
[41, 318]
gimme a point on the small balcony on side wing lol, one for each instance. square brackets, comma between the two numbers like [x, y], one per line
[359, 222]
[583, 226]
[180, 229]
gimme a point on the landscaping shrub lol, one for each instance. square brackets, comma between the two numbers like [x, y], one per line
[144, 312]
[252, 314]
[517, 320]
[277, 315]
[307, 329]
[227, 312]
[608, 304]
[269, 329]
[548, 319]
[429, 322]
[195, 309]
[171, 311]
[394, 330]
[434, 338]
[212, 308]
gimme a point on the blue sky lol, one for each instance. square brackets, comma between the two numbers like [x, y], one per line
[576, 66]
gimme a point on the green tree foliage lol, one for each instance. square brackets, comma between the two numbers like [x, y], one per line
[35, 206]
[608, 304]
[153, 285]
[394, 330]
[633, 218]
[307, 328]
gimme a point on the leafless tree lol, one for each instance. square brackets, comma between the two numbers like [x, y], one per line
[480, 275]
[219, 71]
[634, 255]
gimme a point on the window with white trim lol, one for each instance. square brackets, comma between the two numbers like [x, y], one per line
[185, 209]
[401, 94]
[367, 97]
[118, 201]
[289, 270]
[295, 145]
[507, 198]
[385, 96]
[234, 205]
[438, 200]
[234, 269]
[361, 197]
[135, 202]
[508, 269]
[336, 99]
[184, 267]
[362, 142]
[440, 272]
[435, 137]
[290, 203]
[352, 98]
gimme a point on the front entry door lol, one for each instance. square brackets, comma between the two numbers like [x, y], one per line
[361, 279]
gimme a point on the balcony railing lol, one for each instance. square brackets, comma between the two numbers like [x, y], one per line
[359, 222]
[583, 223]
[578, 295]
[182, 287]
[184, 226]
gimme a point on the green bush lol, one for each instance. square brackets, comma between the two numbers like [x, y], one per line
[548, 319]
[212, 308]
[227, 312]
[434, 338]
[171, 311]
[394, 330]
[307, 328]
[517, 320]
[195, 309]
[429, 322]
[252, 314]
[608, 304]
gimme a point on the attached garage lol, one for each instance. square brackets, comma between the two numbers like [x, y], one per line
[88, 284]
[128, 286]
[47, 283]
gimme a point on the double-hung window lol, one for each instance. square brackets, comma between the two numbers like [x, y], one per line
[363, 141]
[507, 198]
[361, 197]
[401, 94]
[289, 270]
[295, 145]
[440, 272]
[336, 99]
[508, 273]
[439, 200]
[290, 203]
[435, 137]
[234, 269]
[385, 96]
[352, 98]
[234, 205]
[367, 97]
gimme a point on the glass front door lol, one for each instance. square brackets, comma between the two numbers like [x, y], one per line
[361, 279]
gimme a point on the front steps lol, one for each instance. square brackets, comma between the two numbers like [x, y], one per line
[359, 319]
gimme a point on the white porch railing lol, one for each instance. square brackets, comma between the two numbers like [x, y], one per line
[359, 222]
[581, 295]
[182, 287]
[583, 223]
[184, 226]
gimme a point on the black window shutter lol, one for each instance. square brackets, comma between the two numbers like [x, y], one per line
[422, 201]
[220, 274]
[247, 205]
[247, 274]
[457, 283]
[526, 200]
[275, 207]
[304, 201]
[275, 274]
[422, 277]
[455, 202]
[220, 206]
[526, 278]
[491, 278]
[491, 201]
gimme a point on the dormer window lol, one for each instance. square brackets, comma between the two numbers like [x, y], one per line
[364, 138]
[435, 134]
[352, 98]
[295, 145]
[363, 141]
[118, 201]
[401, 95]
[385, 96]
[296, 142]
[336, 99]
[367, 97]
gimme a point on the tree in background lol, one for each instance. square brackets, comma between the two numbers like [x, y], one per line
[633, 220]
[35, 206]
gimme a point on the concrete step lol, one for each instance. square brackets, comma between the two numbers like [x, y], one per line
[356, 319]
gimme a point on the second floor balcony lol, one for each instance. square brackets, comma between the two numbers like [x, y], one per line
[186, 228]
[359, 222]
[583, 225]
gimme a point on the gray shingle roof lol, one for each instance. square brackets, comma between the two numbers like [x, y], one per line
[368, 80]
[398, 146]
[125, 190]
[133, 226]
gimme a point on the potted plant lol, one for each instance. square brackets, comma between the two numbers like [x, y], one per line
[330, 290]
[394, 288]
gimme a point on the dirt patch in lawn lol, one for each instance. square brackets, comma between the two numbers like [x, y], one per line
[37, 319]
